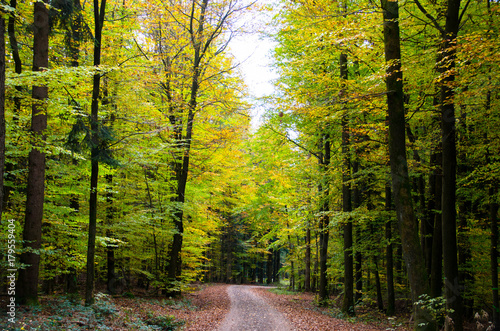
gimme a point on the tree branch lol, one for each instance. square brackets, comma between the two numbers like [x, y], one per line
[429, 16]
[295, 143]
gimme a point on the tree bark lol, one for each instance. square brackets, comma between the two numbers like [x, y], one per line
[399, 167]
[307, 260]
[437, 237]
[391, 298]
[358, 258]
[269, 267]
[348, 299]
[174, 258]
[110, 249]
[99, 12]
[27, 290]
[448, 216]
[324, 219]
[494, 255]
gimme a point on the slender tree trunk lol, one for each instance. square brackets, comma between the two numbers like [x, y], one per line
[324, 219]
[27, 289]
[99, 12]
[307, 260]
[378, 286]
[466, 274]
[448, 216]
[73, 45]
[174, 259]
[291, 257]
[391, 297]
[399, 168]
[110, 249]
[269, 267]
[348, 299]
[277, 265]
[437, 237]
[494, 255]
[316, 266]
[419, 186]
[358, 269]
[358, 259]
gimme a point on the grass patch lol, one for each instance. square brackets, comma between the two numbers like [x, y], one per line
[283, 291]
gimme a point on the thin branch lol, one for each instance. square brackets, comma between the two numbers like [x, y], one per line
[295, 143]
[134, 134]
[140, 49]
[463, 12]
[429, 16]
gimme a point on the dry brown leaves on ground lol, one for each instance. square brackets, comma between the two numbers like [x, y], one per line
[302, 312]
[202, 310]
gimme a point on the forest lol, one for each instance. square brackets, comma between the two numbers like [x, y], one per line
[129, 161]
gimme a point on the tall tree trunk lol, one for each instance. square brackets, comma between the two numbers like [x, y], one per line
[378, 286]
[291, 257]
[277, 265]
[269, 267]
[493, 204]
[358, 269]
[27, 290]
[437, 237]
[391, 298]
[449, 214]
[466, 273]
[110, 249]
[399, 168]
[426, 224]
[307, 260]
[174, 258]
[99, 12]
[73, 44]
[494, 255]
[348, 299]
[315, 284]
[324, 219]
[358, 259]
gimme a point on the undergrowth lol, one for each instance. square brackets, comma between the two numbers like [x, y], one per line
[282, 290]
[65, 314]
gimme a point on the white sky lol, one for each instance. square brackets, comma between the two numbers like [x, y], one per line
[252, 51]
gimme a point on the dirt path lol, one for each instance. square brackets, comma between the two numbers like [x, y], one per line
[250, 312]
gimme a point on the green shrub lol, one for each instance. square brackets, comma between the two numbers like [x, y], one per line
[163, 322]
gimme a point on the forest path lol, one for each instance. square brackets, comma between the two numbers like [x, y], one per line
[250, 312]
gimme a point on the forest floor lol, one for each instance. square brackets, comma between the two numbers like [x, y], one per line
[202, 309]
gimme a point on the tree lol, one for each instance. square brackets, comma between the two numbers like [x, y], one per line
[32, 233]
[324, 193]
[99, 13]
[399, 168]
[348, 300]
[198, 28]
[449, 186]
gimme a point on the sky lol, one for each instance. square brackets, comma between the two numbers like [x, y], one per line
[253, 52]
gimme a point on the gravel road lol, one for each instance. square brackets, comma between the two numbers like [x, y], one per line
[251, 312]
